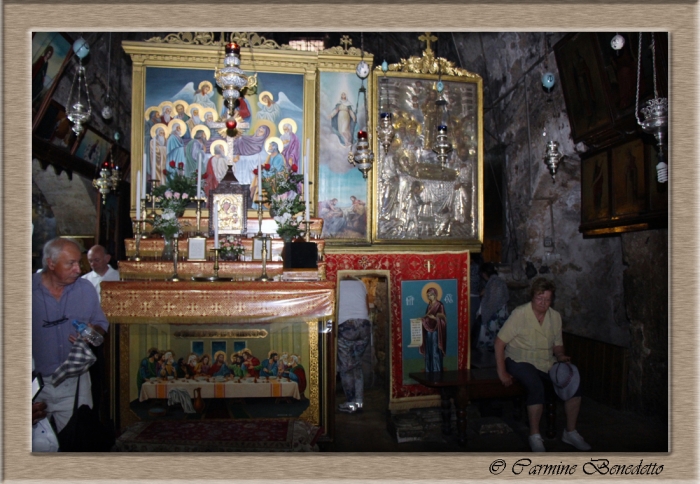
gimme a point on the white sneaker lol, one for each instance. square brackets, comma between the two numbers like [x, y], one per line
[575, 439]
[537, 443]
[350, 407]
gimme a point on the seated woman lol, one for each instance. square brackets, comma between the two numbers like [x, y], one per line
[527, 346]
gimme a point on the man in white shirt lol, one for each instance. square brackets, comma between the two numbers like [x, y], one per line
[101, 270]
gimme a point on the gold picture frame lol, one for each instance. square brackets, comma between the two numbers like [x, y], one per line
[418, 199]
[164, 67]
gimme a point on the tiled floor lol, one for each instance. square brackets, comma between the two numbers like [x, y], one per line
[604, 428]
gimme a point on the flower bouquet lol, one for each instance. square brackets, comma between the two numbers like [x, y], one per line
[286, 205]
[231, 248]
[176, 192]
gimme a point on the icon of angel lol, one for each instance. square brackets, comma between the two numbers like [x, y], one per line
[271, 110]
[202, 95]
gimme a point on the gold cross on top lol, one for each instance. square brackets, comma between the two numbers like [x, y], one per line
[428, 38]
[346, 41]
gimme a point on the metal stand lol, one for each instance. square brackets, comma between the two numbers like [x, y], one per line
[263, 277]
[260, 212]
[199, 215]
[142, 210]
[215, 277]
[175, 277]
[307, 234]
[151, 198]
[137, 239]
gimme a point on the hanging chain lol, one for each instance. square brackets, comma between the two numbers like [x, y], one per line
[653, 62]
[639, 76]
[109, 62]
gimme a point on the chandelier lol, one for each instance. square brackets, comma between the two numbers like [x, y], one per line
[362, 157]
[385, 127]
[552, 157]
[79, 109]
[109, 178]
[231, 78]
[442, 145]
[655, 113]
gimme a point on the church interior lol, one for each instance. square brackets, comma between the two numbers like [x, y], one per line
[405, 160]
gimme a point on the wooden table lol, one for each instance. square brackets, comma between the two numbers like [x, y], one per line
[463, 386]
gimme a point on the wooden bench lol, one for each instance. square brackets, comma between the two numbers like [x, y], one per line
[475, 384]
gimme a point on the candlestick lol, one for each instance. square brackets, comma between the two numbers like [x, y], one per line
[259, 179]
[137, 241]
[152, 198]
[138, 195]
[143, 184]
[215, 221]
[175, 277]
[263, 277]
[307, 234]
[143, 218]
[199, 214]
[260, 211]
[199, 176]
[306, 182]
[154, 175]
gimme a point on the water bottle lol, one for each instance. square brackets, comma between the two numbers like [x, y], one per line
[88, 334]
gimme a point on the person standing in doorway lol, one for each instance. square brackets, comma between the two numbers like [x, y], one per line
[354, 335]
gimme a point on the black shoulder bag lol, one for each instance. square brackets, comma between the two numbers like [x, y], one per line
[84, 432]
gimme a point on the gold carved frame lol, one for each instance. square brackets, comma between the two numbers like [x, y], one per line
[447, 208]
[200, 50]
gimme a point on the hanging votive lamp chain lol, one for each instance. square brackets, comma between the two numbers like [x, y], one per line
[107, 108]
[655, 112]
[362, 156]
[79, 108]
[442, 146]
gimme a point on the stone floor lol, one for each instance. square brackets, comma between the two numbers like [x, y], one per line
[491, 428]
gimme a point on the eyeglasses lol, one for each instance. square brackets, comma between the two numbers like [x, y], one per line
[48, 324]
[543, 299]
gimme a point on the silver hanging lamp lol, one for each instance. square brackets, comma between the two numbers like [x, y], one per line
[655, 113]
[362, 156]
[78, 105]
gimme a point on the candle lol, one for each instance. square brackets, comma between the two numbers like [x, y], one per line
[215, 221]
[259, 179]
[153, 161]
[138, 195]
[199, 175]
[306, 185]
[143, 181]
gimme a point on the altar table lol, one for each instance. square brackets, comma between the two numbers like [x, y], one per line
[222, 389]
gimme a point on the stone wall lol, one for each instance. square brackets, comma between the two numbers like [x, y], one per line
[610, 289]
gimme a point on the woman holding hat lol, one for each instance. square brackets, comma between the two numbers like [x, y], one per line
[526, 348]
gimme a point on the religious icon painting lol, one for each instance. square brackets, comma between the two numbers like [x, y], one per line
[429, 178]
[342, 198]
[595, 188]
[232, 214]
[429, 326]
[92, 147]
[178, 93]
[51, 52]
[629, 178]
[55, 127]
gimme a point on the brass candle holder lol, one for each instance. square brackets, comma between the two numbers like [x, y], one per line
[152, 198]
[199, 201]
[263, 277]
[137, 241]
[214, 277]
[142, 210]
[307, 234]
[175, 277]
[260, 212]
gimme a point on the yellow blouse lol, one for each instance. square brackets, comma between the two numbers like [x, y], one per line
[528, 341]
